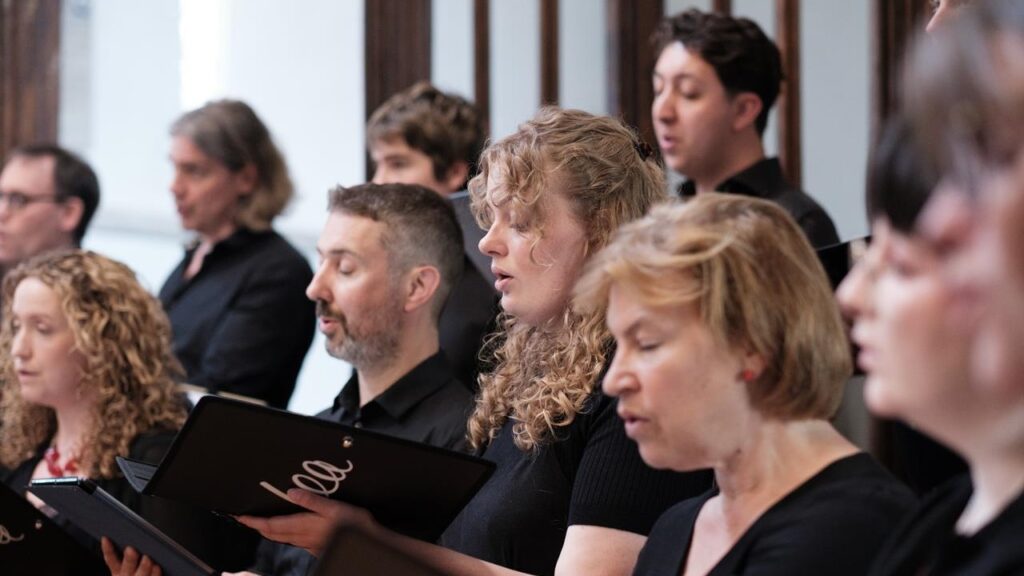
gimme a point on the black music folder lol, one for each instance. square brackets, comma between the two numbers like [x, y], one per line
[351, 551]
[238, 458]
[94, 510]
[32, 544]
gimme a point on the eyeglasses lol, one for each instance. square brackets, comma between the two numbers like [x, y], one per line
[16, 201]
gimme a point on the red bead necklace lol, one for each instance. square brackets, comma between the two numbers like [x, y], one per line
[52, 459]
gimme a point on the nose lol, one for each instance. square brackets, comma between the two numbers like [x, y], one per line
[20, 345]
[317, 289]
[379, 176]
[852, 293]
[619, 379]
[662, 108]
[491, 244]
[177, 184]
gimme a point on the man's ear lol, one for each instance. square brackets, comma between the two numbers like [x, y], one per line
[421, 285]
[456, 176]
[746, 107]
[71, 212]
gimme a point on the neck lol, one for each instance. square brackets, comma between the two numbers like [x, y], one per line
[414, 347]
[997, 471]
[210, 238]
[73, 422]
[773, 459]
[746, 152]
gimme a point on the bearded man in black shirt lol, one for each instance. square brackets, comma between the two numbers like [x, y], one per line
[389, 256]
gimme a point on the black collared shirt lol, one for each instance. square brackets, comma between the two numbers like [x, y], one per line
[426, 405]
[765, 179]
[243, 324]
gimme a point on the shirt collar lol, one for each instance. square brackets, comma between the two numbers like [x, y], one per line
[760, 179]
[402, 396]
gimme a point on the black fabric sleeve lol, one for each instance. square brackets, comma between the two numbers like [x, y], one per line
[614, 488]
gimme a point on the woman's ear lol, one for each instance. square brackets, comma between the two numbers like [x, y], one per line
[246, 179]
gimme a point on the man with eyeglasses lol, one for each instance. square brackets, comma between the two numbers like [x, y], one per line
[47, 198]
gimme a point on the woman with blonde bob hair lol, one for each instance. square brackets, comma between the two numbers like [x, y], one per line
[731, 355]
[570, 493]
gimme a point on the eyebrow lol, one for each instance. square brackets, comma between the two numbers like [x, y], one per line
[337, 253]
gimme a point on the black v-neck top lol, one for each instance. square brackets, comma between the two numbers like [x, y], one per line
[834, 523]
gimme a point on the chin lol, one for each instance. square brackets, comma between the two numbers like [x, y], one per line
[879, 400]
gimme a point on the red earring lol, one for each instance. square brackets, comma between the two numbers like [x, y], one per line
[747, 375]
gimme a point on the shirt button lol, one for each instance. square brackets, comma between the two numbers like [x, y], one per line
[358, 424]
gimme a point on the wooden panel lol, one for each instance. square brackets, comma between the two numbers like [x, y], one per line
[894, 23]
[631, 60]
[549, 52]
[787, 31]
[722, 6]
[29, 72]
[482, 57]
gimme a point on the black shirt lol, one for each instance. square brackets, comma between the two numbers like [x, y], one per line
[592, 475]
[214, 540]
[765, 180]
[243, 324]
[427, 405]
[834, 523]
[927, 543]
[472, 306]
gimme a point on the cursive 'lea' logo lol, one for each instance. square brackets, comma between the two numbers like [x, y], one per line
[7, 538]
[321, 478]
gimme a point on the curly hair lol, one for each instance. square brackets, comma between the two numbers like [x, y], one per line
[124, 337]
[758, 285]
[743, 56]
[544, 375]
[445, 127]
[230, 132]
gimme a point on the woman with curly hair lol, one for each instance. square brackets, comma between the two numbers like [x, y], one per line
[89, 376]
[570, 492]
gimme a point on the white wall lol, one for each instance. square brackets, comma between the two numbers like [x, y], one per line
[304, 76]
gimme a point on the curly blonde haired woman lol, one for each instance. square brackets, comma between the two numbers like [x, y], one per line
[570, 492]
[87, 375]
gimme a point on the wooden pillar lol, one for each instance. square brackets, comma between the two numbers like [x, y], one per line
[549, 52]
[894, 24]
[29, 72]
[397, 49]
[722, 6]
[787, 31]
[631, 61]
[482, 57]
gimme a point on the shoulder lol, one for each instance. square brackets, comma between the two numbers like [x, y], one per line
[273, 250]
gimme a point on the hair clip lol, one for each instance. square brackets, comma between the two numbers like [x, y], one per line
[643, 149]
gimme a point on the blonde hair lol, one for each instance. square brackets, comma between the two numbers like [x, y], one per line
[125, 338]
[230, 132]
[757, 282]
[544, 375]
